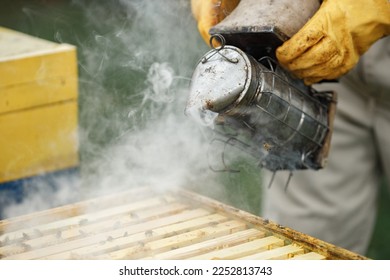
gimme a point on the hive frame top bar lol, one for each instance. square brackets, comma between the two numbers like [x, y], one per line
[145, 224]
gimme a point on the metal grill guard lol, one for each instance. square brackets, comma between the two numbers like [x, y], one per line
[274, 117]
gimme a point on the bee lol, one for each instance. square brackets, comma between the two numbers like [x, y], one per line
[134, 215]
[213, 224]
[267, 146]
[26, 236]
[26, 247]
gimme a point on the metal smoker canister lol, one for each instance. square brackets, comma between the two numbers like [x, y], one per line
[273, 116]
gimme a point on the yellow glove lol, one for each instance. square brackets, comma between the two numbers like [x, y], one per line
[210, 12]
[331, 42]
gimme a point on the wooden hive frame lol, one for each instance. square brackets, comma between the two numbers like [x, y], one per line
[144, 224]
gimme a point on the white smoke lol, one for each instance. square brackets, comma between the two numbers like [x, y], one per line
[136, 58]
[168, 151]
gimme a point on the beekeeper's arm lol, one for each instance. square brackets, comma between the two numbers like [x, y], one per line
[332, 41]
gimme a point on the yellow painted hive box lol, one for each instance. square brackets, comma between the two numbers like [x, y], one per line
[38, 106]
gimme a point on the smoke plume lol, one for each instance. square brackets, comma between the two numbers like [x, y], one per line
[135, 64]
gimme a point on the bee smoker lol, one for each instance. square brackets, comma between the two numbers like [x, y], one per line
[240, 88]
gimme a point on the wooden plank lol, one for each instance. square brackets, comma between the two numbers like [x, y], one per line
[309, 256]
[308, 242]
[103, 237]
[141, 211]
[62, 235]
[38, 66]
[25, 58]
[15, 43]
[197, 235]
[192, 251]
[38, 140]
[38, 93]
[242, 250]
[71, 210]
[281, 253]
[180, 240]
[151, 234]
[161, 228]
[86, 221]
[78, 231]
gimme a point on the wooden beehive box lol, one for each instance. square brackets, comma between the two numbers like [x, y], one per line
[38, 106]
[144, 224]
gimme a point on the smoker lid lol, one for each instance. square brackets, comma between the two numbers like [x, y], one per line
[220, 79]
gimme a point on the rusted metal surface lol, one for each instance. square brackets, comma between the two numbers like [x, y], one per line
[144, 224]
[259, 26]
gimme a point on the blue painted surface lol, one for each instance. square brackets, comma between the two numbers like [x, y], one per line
[16, 192]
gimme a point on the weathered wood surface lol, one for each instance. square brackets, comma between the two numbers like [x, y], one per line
[142, 224]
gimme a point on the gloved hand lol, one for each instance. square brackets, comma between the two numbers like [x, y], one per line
[332, 41]
[210, 12]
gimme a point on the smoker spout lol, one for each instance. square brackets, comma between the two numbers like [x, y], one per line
[219, 81]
